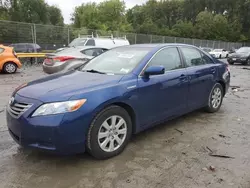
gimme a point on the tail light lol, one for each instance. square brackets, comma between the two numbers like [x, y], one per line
[227, 68]
[51, 61]
[14, 53]
[62, 58]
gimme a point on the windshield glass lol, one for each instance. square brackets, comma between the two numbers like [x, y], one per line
[77, 42]
[217, 50]
[117, 61]
[243, 50]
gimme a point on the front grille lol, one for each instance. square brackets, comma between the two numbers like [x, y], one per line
[17, 109]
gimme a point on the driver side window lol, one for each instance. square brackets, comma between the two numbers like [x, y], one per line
[168, 58]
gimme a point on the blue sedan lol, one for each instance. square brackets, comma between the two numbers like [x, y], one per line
[119, 93]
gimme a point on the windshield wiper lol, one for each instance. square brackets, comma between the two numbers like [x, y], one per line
[94, 71]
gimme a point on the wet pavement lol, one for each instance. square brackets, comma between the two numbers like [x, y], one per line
[172, 155]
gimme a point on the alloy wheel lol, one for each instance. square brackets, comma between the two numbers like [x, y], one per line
[112, 133]
[10, 68]
[216, 97]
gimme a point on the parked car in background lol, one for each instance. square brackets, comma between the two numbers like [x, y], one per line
[205, 49]
[232, 50]
[119, 93]
[8, 60]
[219, 53]
[242, 56]
[26, 47]
[108, 42]
[70, 58]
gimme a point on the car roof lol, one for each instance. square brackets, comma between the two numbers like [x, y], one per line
[156, 45]
[87, 47]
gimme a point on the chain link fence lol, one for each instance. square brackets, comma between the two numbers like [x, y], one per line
[53, 37]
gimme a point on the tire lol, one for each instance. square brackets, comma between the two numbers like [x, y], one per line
[100, 134]
[231, 63]
[220, 57]
[247, 62]
[9, 67]
[214, 95]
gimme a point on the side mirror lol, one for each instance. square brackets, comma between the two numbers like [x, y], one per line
[154, 70]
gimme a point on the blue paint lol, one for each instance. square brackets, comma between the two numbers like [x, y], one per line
[154, 99]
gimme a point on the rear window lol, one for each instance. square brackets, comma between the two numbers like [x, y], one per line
[90, 42]
[66, 51]
[77, 42]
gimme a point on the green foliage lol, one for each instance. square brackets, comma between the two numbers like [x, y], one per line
[226, 20]
[30, 11]
[107, 15]
[55, 15]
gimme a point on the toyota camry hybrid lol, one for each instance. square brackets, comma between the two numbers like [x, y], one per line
[98, 106]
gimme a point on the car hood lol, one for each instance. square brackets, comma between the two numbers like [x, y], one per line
[236, 55]
[62, 86]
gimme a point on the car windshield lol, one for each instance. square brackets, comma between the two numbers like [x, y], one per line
[77, 42]
[217, 50]
[243, 50]
[117, 61]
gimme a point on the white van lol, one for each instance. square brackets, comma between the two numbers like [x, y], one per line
[105, 42]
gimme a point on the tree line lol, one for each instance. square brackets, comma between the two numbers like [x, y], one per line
[226, 20]
[30, 11]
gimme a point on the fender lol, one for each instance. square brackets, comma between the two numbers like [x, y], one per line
[14, 60]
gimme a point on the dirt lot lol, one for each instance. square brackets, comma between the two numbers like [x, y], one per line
[175, 154]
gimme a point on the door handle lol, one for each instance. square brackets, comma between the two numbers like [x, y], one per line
[183, 77]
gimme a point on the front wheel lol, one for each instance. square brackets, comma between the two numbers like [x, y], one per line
[109, 132]
[215, 98]
[247, 62]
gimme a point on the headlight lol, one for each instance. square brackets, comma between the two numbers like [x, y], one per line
[59, 107]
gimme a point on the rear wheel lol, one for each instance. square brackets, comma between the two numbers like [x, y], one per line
[215, 98]
[220, 57]
[10, 67]
[231, 63]
[109, 133]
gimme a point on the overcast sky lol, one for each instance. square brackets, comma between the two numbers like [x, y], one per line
[67, 7]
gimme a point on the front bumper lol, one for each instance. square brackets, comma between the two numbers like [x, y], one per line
[62, 133]
[238, 60]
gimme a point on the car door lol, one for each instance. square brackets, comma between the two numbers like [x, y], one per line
[163, 96]
[201, 71]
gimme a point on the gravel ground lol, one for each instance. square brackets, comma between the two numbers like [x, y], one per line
[171, 155]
